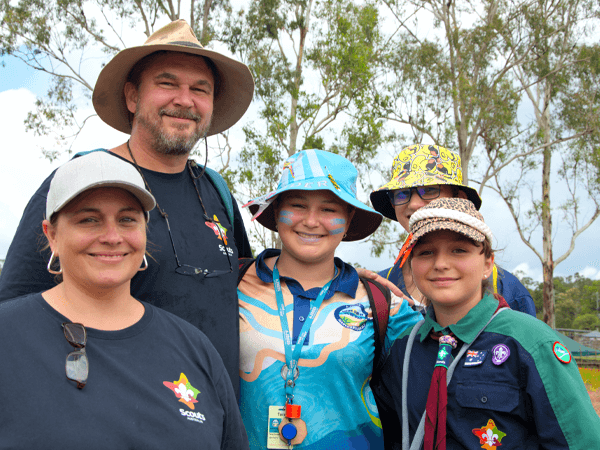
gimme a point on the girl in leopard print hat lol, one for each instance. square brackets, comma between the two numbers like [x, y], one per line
[474, 373]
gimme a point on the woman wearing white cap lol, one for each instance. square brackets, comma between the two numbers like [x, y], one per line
[307, 329]
[136, 376]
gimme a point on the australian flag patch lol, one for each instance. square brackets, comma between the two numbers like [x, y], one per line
[475, 357]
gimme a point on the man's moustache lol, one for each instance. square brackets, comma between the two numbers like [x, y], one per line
[180, 114]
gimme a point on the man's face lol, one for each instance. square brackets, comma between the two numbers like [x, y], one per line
[403, 212]
[173, 104]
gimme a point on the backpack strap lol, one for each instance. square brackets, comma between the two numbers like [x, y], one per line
[379, 300]
[221, 186]
[78, 154]
[244, 264]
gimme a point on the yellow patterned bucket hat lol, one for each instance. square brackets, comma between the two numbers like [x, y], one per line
[422, 165]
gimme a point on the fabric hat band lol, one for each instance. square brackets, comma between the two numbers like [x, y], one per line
[459, 216]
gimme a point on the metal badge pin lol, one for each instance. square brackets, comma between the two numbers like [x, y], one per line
[284, 372]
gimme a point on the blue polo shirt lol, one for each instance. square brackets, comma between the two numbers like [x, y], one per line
[335, 364]
[346, 281]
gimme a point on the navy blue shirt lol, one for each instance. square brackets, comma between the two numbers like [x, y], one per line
[158, 384]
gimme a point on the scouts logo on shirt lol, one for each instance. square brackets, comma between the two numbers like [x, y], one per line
[489, 436]
[352, 316]
[500, 353]
[561, 353]
[183, 390]
[216, 227]
[475, 357]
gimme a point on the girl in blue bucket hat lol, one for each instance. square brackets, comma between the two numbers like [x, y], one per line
[307, 332]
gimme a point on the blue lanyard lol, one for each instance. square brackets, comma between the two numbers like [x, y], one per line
[292, 352]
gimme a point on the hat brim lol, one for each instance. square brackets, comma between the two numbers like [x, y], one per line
[364, 222]
[236, 86]
[381, 201]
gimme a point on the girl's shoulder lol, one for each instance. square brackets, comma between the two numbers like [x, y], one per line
[532, 334]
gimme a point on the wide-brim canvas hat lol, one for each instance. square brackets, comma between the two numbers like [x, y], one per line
[236, 86]
[91, 171]
[313, 170]
[422, 165]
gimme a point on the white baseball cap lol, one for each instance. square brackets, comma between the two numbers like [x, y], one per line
[94, 170]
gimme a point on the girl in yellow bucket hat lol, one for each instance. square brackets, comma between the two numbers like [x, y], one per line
[420, 174]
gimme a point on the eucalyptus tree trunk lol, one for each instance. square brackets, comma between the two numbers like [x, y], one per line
[548, 259]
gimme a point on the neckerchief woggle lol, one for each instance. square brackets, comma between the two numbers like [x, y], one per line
[292, 355]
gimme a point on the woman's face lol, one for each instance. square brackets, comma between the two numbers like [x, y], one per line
[312, 224]
[99, 238]
[448, 268]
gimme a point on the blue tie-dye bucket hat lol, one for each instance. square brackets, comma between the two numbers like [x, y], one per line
[314, 170]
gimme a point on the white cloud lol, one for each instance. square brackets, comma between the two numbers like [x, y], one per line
[23, 166]
[590, 272]
[522, 270]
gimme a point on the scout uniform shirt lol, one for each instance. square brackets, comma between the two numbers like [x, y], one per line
[515, 388]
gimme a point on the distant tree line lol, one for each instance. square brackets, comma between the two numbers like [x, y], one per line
[577, 301]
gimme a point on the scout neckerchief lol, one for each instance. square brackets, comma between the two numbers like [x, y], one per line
[292, 352]
[437, 398]
[419, 434]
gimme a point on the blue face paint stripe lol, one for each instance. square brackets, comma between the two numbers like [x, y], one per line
[283, 217]
[338, 221]
[338, 230]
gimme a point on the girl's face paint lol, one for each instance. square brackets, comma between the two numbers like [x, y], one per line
[337, 223]
[312, 224]
[286, 217]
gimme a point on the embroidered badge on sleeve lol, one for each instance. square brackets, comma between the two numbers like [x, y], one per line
[561, 353]
[489, 436]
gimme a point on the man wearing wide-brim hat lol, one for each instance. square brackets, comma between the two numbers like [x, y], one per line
[167, 94]
[420, 174]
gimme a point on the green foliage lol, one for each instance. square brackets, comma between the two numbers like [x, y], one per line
[577, 301]
[313, 64]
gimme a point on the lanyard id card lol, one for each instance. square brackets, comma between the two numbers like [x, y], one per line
[291, 429]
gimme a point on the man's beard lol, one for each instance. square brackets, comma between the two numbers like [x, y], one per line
[172, 144]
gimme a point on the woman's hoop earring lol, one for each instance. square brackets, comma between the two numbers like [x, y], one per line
[345, 234]
[53, 258]
[144, 265]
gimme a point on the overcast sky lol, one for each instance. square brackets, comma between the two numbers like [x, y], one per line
[24, 168]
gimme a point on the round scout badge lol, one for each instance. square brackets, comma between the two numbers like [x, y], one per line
[561, 353]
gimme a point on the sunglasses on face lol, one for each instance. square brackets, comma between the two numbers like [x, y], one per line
[402, 196]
